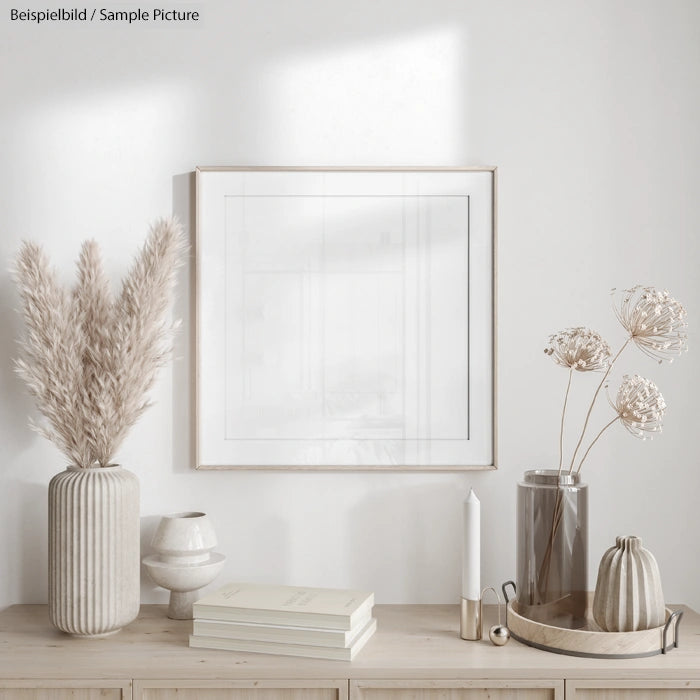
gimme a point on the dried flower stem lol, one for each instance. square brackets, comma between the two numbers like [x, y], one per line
[547, 558]
[583, 459]
[89, 360]
[595, 396]
[656, 323]
[563, 414]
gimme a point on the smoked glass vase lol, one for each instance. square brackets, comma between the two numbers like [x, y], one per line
[552, 548]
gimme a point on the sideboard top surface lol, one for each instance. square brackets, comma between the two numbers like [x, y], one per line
[412, 642]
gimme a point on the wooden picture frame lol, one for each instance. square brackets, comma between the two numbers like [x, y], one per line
[345, 318]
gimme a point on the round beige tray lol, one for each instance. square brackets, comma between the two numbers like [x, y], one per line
[591, 641]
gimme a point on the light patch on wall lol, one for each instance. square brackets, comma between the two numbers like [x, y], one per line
[389, 102]
[96, 154]
[108, 123]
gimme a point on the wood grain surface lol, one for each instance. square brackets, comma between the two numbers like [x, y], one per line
[411, 642]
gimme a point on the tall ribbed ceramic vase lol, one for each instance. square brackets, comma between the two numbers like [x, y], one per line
[94, 563]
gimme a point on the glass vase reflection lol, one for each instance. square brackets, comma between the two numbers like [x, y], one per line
[552, 548]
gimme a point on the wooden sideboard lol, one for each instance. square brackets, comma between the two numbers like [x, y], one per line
[416, 654]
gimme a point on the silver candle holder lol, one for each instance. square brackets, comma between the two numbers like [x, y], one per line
[471, 620]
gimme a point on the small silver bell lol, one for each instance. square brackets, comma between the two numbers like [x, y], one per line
[499, 635]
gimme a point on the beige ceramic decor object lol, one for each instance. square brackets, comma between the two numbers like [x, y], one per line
[628, 595]
[184, 561]
[94, 571]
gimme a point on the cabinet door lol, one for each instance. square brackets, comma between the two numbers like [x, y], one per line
[457, 690]
[240, 690]
[64, 690]
[632, 690]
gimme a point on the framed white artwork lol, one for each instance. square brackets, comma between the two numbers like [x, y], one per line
[345, 318]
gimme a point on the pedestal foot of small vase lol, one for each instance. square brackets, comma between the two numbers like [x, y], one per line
[180, 607]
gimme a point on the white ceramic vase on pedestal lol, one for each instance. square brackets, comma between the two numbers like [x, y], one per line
[94, 573]
[184, 561]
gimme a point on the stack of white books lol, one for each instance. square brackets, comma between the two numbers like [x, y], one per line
[321, 623]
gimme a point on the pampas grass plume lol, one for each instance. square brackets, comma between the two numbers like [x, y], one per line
[88, 359]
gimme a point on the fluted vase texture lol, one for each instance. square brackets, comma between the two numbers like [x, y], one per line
[94, 566]
[628, 594]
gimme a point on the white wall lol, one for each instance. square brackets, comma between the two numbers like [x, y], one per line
[589, 108]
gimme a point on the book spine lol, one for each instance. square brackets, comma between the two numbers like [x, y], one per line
[223, 614]
[272, 633]
[270, 648]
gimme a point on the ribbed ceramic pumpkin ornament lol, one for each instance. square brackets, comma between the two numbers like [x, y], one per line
[628, 595]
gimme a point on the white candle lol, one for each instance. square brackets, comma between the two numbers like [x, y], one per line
[471, 548]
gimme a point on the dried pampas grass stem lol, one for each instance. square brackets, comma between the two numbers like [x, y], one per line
[89, 359]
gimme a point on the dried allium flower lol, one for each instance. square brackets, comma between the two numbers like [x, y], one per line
[579, 348]
[640, 406]
[655, 321]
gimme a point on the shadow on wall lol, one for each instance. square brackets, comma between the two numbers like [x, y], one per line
[264, 553]
[259, 555]
[183, 368]
[33, 552]
[26, 508]
[395, 529]
[149, 524]
[15, 403]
